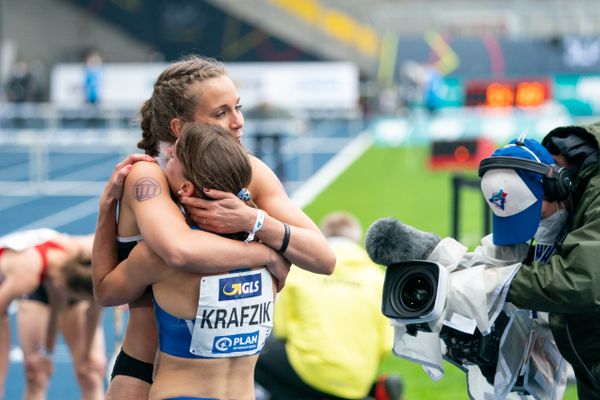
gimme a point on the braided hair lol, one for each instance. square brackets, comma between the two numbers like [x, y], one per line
[172, 97]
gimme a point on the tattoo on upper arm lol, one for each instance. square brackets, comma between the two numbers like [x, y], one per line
[146, 189]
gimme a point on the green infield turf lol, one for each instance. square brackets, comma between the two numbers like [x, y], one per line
[396, 182]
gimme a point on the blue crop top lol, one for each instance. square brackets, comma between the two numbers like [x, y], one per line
[174, 333]
[227, 329]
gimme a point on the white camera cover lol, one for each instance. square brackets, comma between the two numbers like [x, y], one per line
[477, 289]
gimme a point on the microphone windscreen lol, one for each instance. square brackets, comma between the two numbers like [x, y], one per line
[389, 241]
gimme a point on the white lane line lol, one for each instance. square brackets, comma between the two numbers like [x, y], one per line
[8, 202]
[306, 193]
[66, 216]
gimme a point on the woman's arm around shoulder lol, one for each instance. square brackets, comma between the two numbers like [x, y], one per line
[129, 280]
[307, 247]
[104, 246]
[303, 244]
[163, 226]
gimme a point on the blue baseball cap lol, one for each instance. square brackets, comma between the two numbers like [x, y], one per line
[515, 195]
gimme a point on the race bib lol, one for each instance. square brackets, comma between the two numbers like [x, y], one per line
[235, 314]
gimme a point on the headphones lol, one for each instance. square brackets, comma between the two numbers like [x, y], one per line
[557, 180]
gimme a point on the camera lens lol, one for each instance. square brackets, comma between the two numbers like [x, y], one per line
[413, 294]
[416, 292]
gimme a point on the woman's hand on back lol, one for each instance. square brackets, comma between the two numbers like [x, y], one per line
[279, 267]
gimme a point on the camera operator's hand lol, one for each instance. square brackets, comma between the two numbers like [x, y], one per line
[390, 241]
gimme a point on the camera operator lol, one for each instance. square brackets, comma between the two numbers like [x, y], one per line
[496, 353]
[474, 329]
[568, 284]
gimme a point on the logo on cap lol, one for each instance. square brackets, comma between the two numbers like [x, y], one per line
[499, 199]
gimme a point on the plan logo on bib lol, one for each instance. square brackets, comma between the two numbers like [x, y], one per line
[235, 343]
[240, 287]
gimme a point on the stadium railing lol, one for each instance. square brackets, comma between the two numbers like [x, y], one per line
[34, 135]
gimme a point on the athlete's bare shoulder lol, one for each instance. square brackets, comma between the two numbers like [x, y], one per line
[145, 181]
[264, 181]
[145, 167]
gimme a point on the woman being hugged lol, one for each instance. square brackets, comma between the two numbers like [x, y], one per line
[211, 328]
[194, 89]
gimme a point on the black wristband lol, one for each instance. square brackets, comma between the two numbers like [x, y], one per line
[286, 238]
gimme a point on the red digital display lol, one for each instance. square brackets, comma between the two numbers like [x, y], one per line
[521, 93]
[459, 154]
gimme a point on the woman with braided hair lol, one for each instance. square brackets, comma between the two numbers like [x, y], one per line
[194, 89]
[211, 328]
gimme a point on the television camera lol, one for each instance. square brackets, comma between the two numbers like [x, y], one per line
[437, 292]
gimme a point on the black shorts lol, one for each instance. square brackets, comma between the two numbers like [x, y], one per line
[129, 366]
[41, 295]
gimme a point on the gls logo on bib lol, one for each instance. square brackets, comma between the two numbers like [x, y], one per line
[240, 287]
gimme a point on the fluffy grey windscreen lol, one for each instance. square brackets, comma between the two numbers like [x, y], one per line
[390, 241]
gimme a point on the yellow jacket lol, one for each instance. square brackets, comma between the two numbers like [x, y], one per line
[335, 333]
